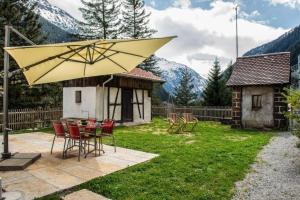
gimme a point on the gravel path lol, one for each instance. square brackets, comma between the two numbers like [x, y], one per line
[276, 174]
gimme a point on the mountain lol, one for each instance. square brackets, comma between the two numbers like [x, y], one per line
[54, 33]
[172, 72]
[56, 16]
[290, 41]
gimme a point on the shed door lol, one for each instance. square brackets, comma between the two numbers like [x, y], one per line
[127, 106]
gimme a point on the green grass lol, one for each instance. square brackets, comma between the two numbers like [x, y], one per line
[201, 165]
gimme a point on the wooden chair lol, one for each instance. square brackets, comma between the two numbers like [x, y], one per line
[175, 123]
[189, 122]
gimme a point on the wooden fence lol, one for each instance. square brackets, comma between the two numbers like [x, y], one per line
[41, 117]
[31, 118]
[202, 113]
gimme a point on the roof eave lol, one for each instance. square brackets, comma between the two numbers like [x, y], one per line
[142, 78]
[262, 84]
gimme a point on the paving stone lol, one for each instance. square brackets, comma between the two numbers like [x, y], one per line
[51, 173]
[83, 172]
[84, 194]
[56, 177]
[32, 187]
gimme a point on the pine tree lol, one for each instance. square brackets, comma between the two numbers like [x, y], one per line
[136, 20]
[20, 14]
[184, 95]
[213, 93]
[227, 91]
[101, 18]
[135, 24]
[150, 66]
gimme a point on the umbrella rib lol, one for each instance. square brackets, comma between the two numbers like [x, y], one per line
[56, 66]
[116, 63]
[101, 54]
[104, 57]
[56, 56]
[89, 53]
[131, 54]
[93, 52]
[78, 54]
[72, 60]
[85, 63]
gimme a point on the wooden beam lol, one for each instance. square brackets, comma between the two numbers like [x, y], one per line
[116, 99]
[137, 102]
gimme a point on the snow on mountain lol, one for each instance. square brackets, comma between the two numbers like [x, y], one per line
[56, 16]
[172, 73]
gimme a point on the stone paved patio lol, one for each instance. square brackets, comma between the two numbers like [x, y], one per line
[51, 173]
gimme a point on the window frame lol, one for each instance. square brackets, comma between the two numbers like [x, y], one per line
[256, 102]
[78, 96]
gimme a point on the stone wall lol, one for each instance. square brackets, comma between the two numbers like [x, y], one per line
[261, 118]
[236, 107]
[280, 107]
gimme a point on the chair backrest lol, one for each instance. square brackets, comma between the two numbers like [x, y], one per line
[74, 131]
[173, 117]
[187, 117]
[91, 122]
[65, 125]
[58, 129]
[108, 122]
[107, 126]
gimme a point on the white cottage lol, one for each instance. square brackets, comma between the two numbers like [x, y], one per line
[126, 97]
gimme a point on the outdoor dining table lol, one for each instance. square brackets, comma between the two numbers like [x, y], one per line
[97, 147]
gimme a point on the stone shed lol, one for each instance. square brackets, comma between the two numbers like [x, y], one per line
[257, 83]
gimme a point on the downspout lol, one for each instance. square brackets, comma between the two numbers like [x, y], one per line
[103, 87]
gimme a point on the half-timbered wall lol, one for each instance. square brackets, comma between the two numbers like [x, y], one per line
[115, 107]
[141, 106]
[92, 103]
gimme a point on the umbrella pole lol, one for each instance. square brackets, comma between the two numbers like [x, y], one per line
[6, 154]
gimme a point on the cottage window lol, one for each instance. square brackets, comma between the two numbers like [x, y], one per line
[77, 96]
[256, 102]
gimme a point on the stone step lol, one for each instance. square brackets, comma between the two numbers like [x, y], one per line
[84, 194]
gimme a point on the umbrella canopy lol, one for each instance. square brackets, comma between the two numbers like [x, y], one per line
[66, 61]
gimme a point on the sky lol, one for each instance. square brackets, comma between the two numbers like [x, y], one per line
[206, 28]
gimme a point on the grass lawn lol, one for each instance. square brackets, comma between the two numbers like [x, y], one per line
[201, 165]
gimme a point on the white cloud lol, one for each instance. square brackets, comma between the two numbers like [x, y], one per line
[289, 3]
[152, 3]
[209, 33]
[182, 3]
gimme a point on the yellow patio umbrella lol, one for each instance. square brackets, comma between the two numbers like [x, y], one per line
[66, 61]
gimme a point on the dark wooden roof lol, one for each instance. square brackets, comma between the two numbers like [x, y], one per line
[267, 69]
[137, 78]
